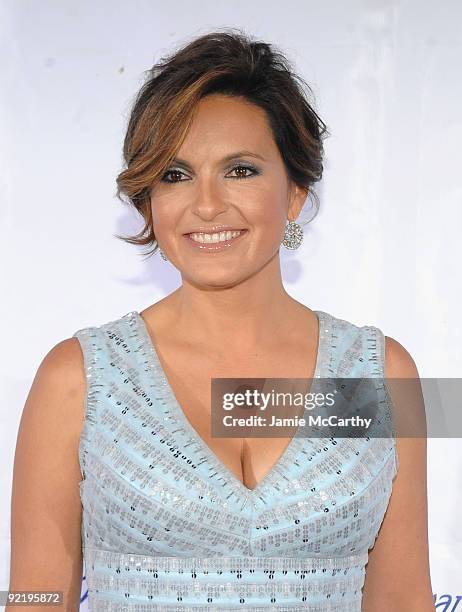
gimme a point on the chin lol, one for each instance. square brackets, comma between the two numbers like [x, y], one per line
[215, 281]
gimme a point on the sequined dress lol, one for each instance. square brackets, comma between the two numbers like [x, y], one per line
[166, 526]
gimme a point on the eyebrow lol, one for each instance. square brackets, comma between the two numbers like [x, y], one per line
[227, 158]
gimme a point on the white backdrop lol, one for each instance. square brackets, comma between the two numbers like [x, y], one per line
[384, 250]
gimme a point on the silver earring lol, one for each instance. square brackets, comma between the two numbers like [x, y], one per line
[293, 235]
[162, 254]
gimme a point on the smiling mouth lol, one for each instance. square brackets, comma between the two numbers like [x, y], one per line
[216, 241]
[214, 237]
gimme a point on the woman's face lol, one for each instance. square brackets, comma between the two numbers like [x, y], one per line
[228, 172]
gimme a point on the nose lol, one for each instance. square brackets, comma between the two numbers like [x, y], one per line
[209, 198]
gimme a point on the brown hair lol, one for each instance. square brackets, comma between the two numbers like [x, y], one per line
[227, 62]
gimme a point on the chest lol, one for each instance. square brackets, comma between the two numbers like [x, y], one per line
[189, 376]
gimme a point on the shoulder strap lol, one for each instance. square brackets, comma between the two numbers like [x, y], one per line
[374, 350]
[112, 359]
[355, 351]
[359, 352]
[91, 344]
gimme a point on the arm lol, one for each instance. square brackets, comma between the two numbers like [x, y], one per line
[45, 507]
[398, 574]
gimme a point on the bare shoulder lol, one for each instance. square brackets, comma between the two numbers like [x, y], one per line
[398, 361]
[65, 358]
[404, 384]
[59, 385]
[53, 413]
[54, 409]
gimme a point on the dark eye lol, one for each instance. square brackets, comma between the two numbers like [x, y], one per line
[243, 171]
[175, 173]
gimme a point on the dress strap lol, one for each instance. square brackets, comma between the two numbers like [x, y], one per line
[91, 344]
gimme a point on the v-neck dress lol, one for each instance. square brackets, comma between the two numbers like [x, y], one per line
[167, 526]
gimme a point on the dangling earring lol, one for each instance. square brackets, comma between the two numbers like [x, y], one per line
[293, 235]
[162, 254]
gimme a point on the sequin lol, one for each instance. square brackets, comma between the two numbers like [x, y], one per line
[166, 526]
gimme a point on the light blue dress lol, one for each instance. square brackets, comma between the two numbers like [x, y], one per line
[166, 526]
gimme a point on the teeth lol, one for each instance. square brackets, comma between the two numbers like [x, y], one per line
[214, 238]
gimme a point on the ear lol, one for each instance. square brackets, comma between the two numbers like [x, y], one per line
[297, 199]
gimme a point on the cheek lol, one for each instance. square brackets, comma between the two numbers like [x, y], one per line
[262, 200]
[269, 214]
[162, 213]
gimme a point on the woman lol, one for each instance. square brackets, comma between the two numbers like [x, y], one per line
[221, 151]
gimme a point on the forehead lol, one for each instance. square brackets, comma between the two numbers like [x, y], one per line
[228, 121]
